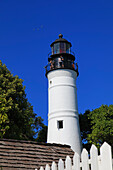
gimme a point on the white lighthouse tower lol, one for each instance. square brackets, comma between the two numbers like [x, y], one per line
[63, 119]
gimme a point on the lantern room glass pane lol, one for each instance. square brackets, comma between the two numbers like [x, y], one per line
[68, 48]
[56, 48]
[62, 47]
[52, 49]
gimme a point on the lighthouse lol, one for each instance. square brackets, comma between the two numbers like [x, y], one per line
[63, 118]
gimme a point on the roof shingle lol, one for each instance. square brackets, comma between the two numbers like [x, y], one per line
[18, 154]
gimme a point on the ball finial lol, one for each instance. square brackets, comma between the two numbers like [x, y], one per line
[60, 35]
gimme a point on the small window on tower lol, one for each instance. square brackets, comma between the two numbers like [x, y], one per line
[50, 82]
[60, 124]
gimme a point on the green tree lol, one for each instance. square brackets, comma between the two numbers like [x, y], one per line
[42, 135]
[85, 128]
[101, 125]
[17, 119]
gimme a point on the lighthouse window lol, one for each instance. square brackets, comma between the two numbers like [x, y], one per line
[50, 82]
[60, 124]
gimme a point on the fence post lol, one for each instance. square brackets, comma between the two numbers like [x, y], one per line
[106, 157]
[84, 157]
[94, 158]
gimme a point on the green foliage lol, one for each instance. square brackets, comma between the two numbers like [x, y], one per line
[3, 116]
[17, 119]
[97, 126]
[42, 135]
[85, 128]
[101, 125]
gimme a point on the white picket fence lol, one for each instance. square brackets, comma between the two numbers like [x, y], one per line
[95, 162]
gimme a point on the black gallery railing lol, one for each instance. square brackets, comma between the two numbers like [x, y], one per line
[53, 65]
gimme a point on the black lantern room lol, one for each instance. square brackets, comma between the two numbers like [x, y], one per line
[61, 56]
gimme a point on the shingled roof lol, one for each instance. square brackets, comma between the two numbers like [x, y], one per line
[19, 155]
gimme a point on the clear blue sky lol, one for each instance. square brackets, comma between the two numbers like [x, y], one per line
[28, 27]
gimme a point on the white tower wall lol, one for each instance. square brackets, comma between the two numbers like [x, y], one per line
[62, 94]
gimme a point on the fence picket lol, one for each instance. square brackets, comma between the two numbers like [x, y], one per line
[41, 168]
[76, 162]
[54, 166]
[60, 165]
[99, 163]
[47, 167]
[106, 156]
[84, 157]
[68, 163]
[94, 158]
